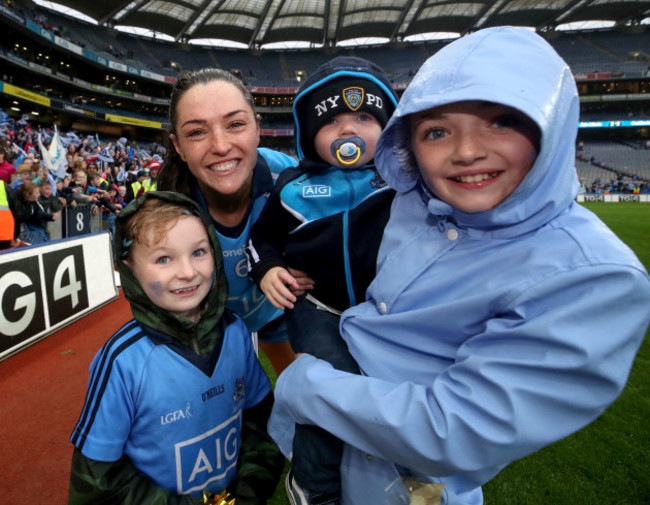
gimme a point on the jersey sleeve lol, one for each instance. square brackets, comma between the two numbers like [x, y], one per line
[276, 160]
[107, 416]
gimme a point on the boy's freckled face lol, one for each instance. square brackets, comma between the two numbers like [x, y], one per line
[345, 125]
[176, 271]
[473, 155]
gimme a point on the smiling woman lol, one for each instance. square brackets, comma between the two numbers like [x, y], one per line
[213, 157]
[219, 146]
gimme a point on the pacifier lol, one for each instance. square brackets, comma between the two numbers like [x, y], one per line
[349, 150]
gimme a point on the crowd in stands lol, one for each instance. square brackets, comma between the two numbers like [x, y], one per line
[624, 186]
[104, 176]
[622, 180]
[107, 175]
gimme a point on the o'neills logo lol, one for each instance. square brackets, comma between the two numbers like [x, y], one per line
[353, 97]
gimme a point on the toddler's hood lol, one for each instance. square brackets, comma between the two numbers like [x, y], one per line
[150, 314]
[342, 67]
[510, 66]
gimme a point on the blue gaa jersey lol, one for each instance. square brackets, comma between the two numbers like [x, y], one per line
[244, 297]
[179, 426]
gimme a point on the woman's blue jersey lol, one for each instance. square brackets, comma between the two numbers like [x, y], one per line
[244, 297]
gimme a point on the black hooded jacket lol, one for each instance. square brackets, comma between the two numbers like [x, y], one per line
[335, 245]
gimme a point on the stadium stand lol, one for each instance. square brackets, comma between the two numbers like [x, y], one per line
[118, 83]
[621, 158]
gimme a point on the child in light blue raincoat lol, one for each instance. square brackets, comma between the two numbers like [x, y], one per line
[504, 316]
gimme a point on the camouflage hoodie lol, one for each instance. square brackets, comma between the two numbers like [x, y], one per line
[260, 462]
[202, 336]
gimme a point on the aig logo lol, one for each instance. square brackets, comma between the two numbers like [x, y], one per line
[316, 191]
[211, 456]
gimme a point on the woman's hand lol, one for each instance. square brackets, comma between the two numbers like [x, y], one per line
[304, 282]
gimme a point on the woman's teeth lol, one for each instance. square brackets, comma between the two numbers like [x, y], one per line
[224, 167]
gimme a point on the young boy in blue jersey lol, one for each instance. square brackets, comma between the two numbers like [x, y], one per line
[504, 316]
[177, 401]
[325, 218]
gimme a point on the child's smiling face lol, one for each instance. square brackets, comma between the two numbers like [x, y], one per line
[80, 178]
[175, 270]
[474, 154]
[46, 190]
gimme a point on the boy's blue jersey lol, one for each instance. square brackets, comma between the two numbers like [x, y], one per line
[179, 426]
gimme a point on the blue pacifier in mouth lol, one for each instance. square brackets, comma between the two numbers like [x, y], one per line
[349, 150]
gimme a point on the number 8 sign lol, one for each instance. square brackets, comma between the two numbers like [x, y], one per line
[77, 220]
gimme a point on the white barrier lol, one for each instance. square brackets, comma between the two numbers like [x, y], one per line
[46, 287]
[593, 197]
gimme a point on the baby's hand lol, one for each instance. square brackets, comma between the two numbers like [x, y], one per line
[277, 284]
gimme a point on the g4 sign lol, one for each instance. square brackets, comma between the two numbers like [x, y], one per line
[22, 301]
[40, 291]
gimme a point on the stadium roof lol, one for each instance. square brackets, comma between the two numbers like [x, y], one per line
[257, 23]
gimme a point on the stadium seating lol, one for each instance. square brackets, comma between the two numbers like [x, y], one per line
[611, 52]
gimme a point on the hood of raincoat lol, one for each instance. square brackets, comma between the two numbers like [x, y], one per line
[509, 66]
[207, 330]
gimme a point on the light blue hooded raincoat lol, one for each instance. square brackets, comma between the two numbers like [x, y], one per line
[485, 336]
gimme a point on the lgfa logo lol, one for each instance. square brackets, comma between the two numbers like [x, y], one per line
[177, 415]
[316, 191]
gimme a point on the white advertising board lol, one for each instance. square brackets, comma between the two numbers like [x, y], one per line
[46, 287]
